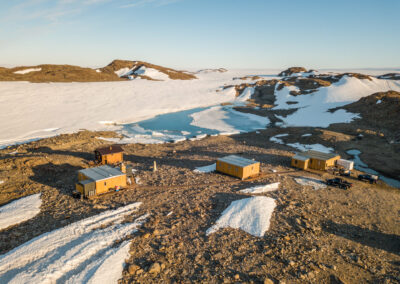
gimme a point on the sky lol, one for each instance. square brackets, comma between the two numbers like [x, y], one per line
[202, 33]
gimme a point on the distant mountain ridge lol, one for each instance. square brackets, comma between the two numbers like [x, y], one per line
[112, 72]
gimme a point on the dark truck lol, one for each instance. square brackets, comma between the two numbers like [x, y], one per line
[369, 178]
[341, 183]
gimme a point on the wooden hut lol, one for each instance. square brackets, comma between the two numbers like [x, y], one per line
[94, 181]
[299, 161]
[314, 160]
[238, 166]
[109, 155]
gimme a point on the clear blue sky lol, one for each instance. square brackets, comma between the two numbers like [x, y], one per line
[202, 33]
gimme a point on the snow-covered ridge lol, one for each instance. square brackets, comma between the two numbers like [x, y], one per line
[81, 252]
[20, 210]
[313, 109]
[25, 71]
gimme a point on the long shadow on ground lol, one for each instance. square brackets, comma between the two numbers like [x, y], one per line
[387, 242]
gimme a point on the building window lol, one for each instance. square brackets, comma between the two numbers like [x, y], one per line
[105, 183]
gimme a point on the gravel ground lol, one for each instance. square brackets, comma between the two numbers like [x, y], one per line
[327, 235]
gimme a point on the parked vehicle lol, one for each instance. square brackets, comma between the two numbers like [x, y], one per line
[341, 183]
[369, 178]
[342, 172]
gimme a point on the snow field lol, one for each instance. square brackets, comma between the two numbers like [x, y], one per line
[137, 100]
[83, 251]
[19, 210]
[251, 215]
[119, 102]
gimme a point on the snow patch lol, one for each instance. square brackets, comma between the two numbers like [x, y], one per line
[315, 183]
[83, 251]
[20, 210]
[301, 147]
[123, 71]
[25, 71]
[261, 188]
[246, 94]
[152, 73]
[316, 147]
[251, 215]
[206, 169]
[227, 120]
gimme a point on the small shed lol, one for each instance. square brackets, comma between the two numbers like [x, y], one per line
[109, 155]
[345, 164]
[94, 181]
[314, 160]
[238, 166]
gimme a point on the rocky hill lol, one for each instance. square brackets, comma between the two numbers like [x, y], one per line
[112, 72]
[292, 70]
[380, 111]
[390, 76]
[54, 73]
[144, 70]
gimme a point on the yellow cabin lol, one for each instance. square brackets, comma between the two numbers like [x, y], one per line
[99, 180]
[238, 166]
[109, 155]
[300, 162]
[314, 160]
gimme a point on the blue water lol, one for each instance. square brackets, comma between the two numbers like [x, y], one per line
[363, 167]
[177, 126]
[172, 123]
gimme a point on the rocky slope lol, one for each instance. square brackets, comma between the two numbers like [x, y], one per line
[390, 76]
[316, 236]
[380, 111]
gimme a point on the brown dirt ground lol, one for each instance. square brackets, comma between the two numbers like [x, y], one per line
[316, 236]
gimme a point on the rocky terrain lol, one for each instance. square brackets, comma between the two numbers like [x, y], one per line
[376, 131]
[327, 235]
[69, 73]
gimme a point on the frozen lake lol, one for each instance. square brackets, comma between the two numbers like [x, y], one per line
[192, 124]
